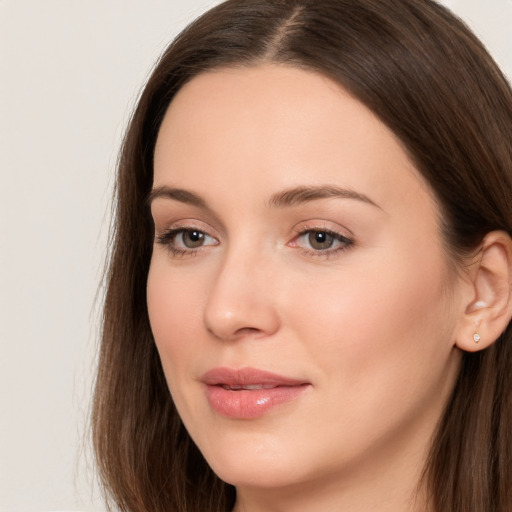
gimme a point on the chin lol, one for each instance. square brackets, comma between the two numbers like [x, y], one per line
[255, 461]
[253, 474]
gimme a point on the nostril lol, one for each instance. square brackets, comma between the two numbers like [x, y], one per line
[247, 331]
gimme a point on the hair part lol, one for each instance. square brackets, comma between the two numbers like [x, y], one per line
[430, 80]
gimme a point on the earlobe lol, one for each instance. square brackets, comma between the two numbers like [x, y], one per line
[488, 309]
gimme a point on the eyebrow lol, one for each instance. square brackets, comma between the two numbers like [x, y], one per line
[176, 194]
[303, 194]
[286, 198]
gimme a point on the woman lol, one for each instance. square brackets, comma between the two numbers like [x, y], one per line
[312, 254]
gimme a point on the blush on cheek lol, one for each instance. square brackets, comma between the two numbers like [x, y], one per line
[175, 316]
[380, 315]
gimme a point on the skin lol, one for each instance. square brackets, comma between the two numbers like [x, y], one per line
[369, 324]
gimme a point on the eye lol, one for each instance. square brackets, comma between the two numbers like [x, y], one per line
[321, 242]
[183, 241]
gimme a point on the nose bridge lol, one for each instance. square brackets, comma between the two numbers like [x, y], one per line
[240, 300]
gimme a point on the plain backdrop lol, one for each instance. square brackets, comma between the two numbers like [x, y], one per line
[70, 72]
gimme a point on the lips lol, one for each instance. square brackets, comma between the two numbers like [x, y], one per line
[249, 393]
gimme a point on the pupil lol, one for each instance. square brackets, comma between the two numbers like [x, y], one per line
[193, 239]
[320, 240]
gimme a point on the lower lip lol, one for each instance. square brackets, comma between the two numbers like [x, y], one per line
[248, 404]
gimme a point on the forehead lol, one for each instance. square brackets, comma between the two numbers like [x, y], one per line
[274, 104]
[284, 126]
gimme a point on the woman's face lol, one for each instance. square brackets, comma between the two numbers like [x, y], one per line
[299, 294]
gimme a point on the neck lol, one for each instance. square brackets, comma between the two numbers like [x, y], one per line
[384, 492]
[386, 479]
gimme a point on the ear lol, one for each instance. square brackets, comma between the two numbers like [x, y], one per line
[488, 306]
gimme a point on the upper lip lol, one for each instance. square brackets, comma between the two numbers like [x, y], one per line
[248, 378]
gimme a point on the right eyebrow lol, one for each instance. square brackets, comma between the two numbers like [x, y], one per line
[176, 194]
[304, 194]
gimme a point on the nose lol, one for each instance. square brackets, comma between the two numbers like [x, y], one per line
[242, 300]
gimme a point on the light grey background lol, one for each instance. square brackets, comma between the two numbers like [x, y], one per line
[70, 72]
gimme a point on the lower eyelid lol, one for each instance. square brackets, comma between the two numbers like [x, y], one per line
[327, 253]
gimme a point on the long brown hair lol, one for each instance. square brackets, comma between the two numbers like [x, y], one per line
[429, 79]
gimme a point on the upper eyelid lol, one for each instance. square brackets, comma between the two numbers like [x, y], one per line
[323, 225]
[335, 234]
[332, 232]
[187, 224]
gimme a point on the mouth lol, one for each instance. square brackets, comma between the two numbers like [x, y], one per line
[247, 378]
[249, 387]
[249, 393]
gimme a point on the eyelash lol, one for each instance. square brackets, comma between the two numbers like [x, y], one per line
[167, 239]
[345, 242]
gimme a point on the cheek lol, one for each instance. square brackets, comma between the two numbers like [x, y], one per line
[378, 341]
[175, 312]
[389, 317]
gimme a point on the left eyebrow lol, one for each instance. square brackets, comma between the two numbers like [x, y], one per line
[303, 194]
[176, 194]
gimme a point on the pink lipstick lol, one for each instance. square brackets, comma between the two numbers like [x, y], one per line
[248, 393]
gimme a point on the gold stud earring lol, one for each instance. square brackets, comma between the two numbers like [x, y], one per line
[476, 337]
